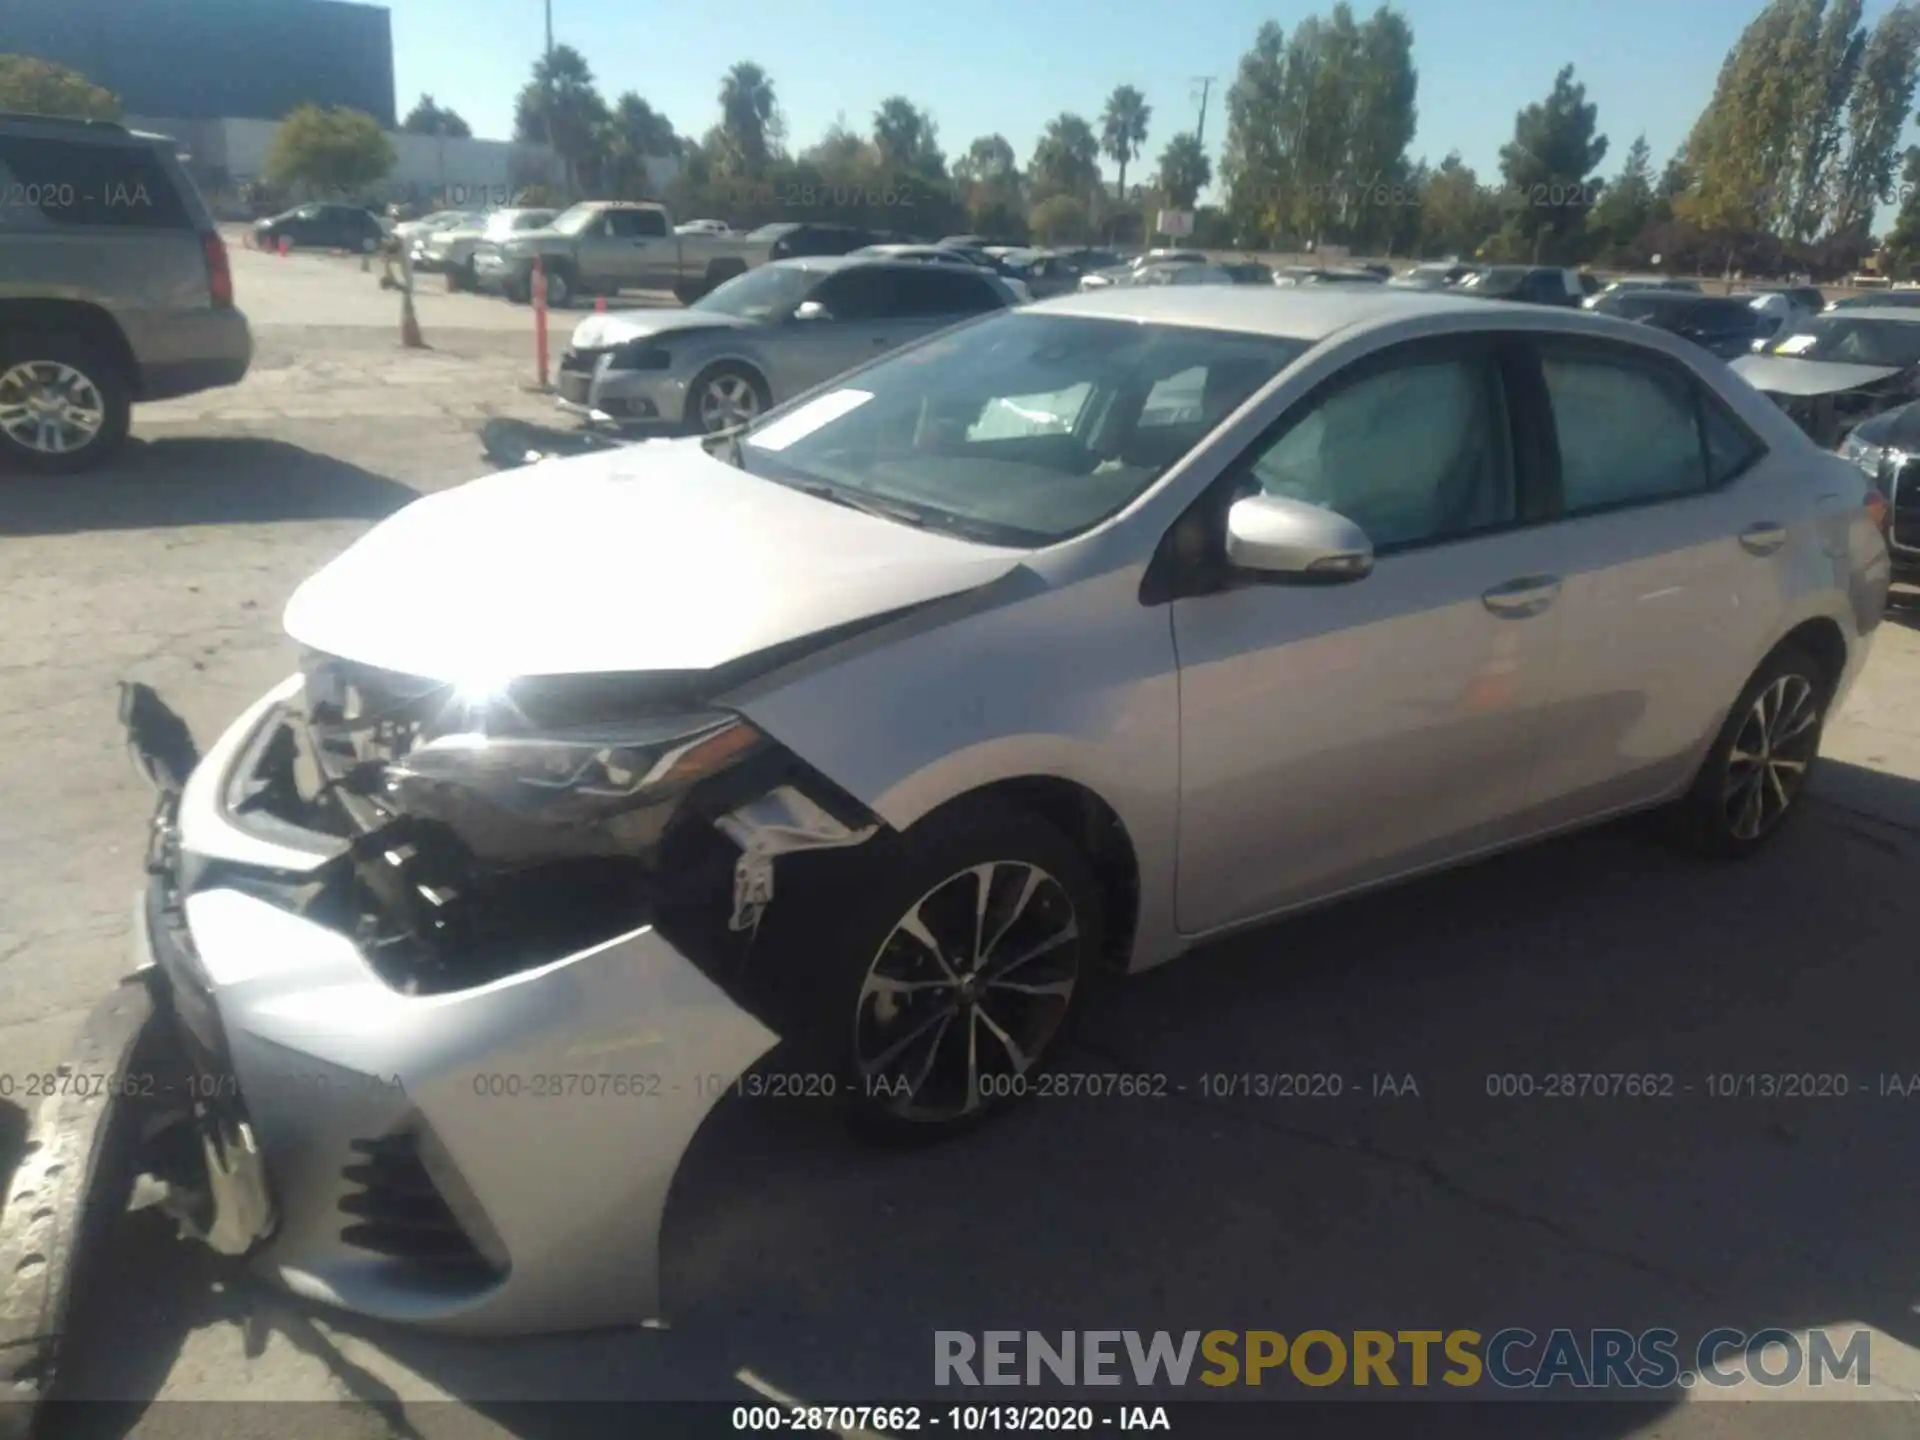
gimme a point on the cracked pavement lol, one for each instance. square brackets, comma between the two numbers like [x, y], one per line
[824, 1267]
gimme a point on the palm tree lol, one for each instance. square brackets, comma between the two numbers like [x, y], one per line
[904, 134]
[747, 109]
[1184, 170]
[560, 107]
[1123, 129]
[1067, 159]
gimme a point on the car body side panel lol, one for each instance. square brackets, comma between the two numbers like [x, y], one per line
[981, 689]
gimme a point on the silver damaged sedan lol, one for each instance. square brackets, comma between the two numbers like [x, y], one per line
[1053, 644]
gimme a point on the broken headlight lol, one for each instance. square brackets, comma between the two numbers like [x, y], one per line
[608, 789]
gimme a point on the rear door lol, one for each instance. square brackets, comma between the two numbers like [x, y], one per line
[1669, 535]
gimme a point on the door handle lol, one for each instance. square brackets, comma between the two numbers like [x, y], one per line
[1763, 538]
[1522, 598]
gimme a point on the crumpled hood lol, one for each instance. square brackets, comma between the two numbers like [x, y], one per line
[616, 327]
[1783, 375]
[652, 557]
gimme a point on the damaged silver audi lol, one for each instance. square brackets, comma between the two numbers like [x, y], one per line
[1050, 645]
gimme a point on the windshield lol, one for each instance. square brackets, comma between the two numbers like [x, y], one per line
[760, 294]
[1020, 429]
[1850, 341]
[772, 232]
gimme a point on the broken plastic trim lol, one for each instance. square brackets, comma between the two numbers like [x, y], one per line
[781, 822]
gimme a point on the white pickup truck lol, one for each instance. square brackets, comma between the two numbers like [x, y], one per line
[601, 247]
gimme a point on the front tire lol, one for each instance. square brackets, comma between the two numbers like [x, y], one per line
[936, 993]
[1756, 772]
[65, 406]
[559, 288]
[724, 397]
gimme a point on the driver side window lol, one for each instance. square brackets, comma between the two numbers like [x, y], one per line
[1415, 453]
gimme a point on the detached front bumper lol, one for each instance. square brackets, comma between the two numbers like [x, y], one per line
[490, 1160]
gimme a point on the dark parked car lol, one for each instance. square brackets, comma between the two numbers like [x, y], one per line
[794, 240]
[1727, 325]
[1887, 447]
[325, 227]
[1530, 284]
[1877, 300]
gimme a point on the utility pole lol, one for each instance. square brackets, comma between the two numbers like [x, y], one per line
[1205, 82]
[549, 29]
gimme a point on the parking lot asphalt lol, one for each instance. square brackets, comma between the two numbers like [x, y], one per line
[822, 1268]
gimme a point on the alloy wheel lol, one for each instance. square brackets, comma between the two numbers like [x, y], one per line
[51, 408]
[1767, 764]
[727, 401]
[967, 991]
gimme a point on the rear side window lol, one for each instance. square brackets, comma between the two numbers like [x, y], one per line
[1730, 446]
[1629, 429]
[60, 184]
[943, 290]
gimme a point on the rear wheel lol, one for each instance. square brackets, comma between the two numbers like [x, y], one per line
[64, 404]
[1753, 778]
[936, 994]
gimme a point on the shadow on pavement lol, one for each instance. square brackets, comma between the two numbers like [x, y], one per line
[14, 1125]
[197, 481]
[1439, 1203]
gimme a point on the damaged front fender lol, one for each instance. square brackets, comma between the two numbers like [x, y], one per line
[782, 822]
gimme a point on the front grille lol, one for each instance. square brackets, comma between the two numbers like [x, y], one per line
[576, 388]
[395, 1209]
[1903, 499]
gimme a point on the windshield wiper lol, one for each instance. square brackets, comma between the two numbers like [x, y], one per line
[865, 504]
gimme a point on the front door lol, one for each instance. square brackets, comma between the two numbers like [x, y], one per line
[855, 302]
[1335, 735]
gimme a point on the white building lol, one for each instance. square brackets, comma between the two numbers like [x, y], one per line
[225, 155]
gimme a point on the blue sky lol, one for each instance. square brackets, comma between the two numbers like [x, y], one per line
[1010, 65]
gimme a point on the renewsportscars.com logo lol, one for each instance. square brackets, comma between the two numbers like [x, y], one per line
[1512, 1359]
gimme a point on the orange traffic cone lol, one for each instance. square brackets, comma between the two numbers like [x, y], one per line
[600, 304]
[286, 247]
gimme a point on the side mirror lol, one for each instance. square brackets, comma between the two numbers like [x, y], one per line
[812, 310]
[1289, 539]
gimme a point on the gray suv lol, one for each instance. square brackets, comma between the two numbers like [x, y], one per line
[114, 288]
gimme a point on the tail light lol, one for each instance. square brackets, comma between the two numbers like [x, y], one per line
[219, 271]
[1880, 510]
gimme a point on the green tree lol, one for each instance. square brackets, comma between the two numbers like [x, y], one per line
[905, 138]
[1123, 130]
[1061, 219]
[1383, 110]
[1548, 167]
[1457, 214]
[634, 133]
[989, 162]
[1828, 46]
[1185, 170]
[1626, 205]
[561, 107]
[749, 119]
[1882, 98]
[840, 154]
[1066, 161]
[1903, 244]
[35, 87]
[1318, 126]
[1742, 154]
[427, 118]
[335, 152]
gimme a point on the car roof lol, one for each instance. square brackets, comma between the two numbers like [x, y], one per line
[848, 262]
[1296, 313]
[1903, 315]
